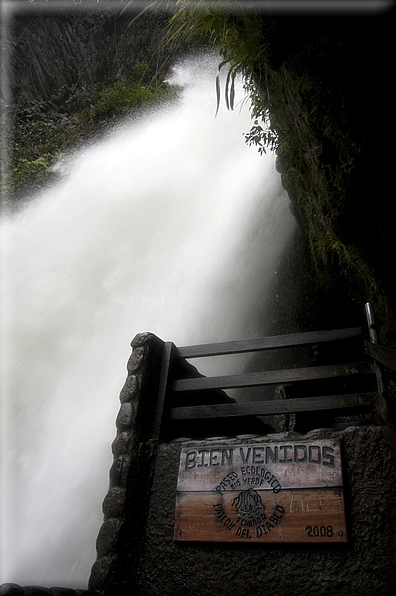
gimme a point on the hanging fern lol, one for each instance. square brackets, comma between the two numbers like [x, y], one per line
[238, 33]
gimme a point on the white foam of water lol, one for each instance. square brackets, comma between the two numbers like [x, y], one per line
[170, 225]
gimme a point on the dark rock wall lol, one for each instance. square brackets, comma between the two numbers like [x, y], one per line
[65, 51]
[336, 166]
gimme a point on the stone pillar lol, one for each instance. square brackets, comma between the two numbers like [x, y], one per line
[120, 540]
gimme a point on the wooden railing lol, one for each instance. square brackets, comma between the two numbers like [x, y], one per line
[276, 377]
[380, 355]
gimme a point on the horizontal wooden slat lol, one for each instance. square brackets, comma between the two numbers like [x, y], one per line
[386, 356]
[272, 377]
[276, 406]
[267, 343]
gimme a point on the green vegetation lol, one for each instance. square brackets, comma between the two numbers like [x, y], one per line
[30, 173]
[47, 133]
[125, 97]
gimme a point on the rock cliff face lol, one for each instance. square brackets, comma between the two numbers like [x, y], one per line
[55, 54]
[331, 106]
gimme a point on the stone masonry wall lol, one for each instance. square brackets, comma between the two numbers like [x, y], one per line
[136, 551]
[120, 537]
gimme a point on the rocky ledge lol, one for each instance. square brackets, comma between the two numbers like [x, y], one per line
[17, 590]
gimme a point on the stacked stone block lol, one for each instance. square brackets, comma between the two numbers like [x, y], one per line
[17, 590]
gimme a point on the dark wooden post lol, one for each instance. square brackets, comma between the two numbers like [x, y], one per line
[169, 353]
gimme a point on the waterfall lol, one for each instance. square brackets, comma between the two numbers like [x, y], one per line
[169, 224]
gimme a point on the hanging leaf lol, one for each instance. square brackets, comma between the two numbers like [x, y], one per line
[218, 84]
[226, 89]
[218, 91]
[232, 92]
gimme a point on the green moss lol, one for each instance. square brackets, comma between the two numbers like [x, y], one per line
[29, 173]
[123, 97]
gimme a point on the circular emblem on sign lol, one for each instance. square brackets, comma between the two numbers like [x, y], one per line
[246, 514]
[248, 504]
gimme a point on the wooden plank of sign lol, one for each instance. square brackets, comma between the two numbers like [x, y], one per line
[263, 492]
[273, 377]
[293, 516]
[276, 406]
[267, 343]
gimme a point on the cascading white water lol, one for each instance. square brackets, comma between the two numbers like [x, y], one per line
[170, 225]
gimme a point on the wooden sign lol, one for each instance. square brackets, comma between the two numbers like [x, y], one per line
[266, 492]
